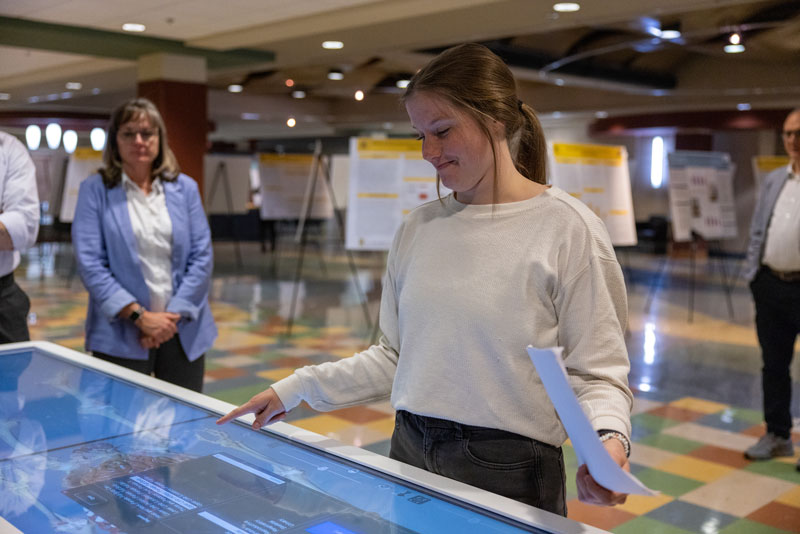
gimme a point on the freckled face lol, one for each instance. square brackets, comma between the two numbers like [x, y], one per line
[137, 140]
[455, 145]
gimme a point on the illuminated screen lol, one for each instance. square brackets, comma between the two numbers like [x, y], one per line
[84, 452]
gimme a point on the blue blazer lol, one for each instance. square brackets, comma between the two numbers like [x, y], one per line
[108, 264]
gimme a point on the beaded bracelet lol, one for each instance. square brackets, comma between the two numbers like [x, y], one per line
[605, 435]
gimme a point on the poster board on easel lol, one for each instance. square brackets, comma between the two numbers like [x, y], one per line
[701, 195]
[388, 178]
[226, 183]
[82, 163]
[285, 180]
[598, 176]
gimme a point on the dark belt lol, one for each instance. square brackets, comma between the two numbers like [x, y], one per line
[784, 276]
[7, 280]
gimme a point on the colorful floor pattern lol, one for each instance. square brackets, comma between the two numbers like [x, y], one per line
[697, 384]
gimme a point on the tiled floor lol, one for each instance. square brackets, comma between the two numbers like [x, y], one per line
[697, 383]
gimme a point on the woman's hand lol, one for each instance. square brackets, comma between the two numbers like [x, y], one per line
[157, 327]
[589, 491]
[266, 405]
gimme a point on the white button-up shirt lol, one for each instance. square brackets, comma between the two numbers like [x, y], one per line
[782, 246]
[19, 200]
[152, 228]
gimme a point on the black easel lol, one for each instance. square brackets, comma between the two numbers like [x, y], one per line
[322, 163]
[221, 173]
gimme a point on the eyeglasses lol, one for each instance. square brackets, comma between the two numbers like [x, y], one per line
[789, 133]
[130, 135]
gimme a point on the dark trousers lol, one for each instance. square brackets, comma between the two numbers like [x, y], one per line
[501, 462]
[14, 308]
[777, 324]
[167, 362]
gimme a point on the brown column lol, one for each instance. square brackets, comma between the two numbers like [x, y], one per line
[177, 86]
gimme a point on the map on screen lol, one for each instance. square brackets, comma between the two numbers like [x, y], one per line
[83, 452]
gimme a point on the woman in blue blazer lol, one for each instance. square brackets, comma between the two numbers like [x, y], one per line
[144, 253]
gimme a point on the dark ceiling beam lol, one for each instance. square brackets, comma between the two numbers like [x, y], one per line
[100, 43]
[761, 119]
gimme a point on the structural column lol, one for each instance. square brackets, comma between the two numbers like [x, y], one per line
[177, 86]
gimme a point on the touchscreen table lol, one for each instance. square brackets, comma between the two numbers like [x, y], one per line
[88, 448]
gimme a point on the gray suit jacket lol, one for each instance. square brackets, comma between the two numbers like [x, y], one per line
[770, 189]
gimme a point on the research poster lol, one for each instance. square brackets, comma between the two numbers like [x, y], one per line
[82, 163]
[701, 195]
[598, 176]
[226, 183]
[285, 183]
[388, 179]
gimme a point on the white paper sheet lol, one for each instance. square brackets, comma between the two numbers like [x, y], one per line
[585, 441]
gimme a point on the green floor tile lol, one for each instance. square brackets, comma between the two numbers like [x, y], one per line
[642, 525]
[652, 422]
[671, 443]
[239, 395]
[745, 526]
[753, 416]
[668, 483]
[774, 468]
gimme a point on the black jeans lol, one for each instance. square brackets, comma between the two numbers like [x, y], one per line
[777, 324]
[14, 308]
[501, 462]
[167, 362]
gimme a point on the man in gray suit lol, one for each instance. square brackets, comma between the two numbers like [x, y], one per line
[773, 269]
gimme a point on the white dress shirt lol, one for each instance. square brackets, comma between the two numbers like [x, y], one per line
[152, 228]
[19, 200]
[782, 246]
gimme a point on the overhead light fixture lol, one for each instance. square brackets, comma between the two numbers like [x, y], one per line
[53, 135]
[735, 38]
[335, 74]
[235, 88]
[5, 96]
[289, 82]
[402, 84]
[298, 94]
[74, 86]
[559, 82]
[290, 122]
[601, 114]
[70, 141]
[66, 94]
[734, 48]
[744, 106]
[33, 136]
[33, 99]
[251, 116]
[98, 138]
[359, 95]
[670, 35]
[332, 45]
[566, 7]
[133, 27]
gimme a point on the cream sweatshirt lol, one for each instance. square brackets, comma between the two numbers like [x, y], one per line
[467, 289]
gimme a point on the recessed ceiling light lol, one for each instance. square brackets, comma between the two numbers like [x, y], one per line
[335, 74]
[735, 38]
[559, 82]
[133, 27]
[744, 106]
[601, 114]
[235, 88]
[298, 94]
[251, 116]
[74, 86]
[290, 122]
[359, 95]
[402, 84]
[734, 48]
[289, 82]
[332, 45]
[566, 7]
[670, 35]
[5, 96]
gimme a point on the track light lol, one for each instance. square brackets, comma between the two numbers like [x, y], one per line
[33, 136]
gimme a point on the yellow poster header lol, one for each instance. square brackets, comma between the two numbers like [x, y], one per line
[86, 152]
[770, 163]
[286, 158]
[588, 154]
[368, 144]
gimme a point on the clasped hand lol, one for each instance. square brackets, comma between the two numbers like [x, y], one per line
[157, 328]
